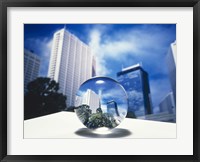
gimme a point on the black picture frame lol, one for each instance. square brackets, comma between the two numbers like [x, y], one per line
[4, 4]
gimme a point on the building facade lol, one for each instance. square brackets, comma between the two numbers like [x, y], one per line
[167, 111]
[31, 67]
[91, 99]
[171, 65]
[71, 63]
[167, 104]
[162, 117]
[112, 108]
[136, 83]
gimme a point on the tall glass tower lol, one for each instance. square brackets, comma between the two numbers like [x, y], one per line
[91, 99]
[171, 65]
[71, 63]
[136, 83]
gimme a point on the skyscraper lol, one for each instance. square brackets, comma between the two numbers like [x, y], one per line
[91, 99]
[171, 64]
[31, 67]
[167, 104]
[112, 107]
[136, 83]
[71, 63]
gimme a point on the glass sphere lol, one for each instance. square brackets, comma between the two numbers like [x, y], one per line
[101, 102]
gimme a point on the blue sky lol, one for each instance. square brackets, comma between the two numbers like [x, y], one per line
[115, 46]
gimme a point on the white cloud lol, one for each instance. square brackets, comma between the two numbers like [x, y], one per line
[115, 92]
[124, 43]
[95, 38]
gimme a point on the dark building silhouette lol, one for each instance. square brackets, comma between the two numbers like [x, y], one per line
[136, 83]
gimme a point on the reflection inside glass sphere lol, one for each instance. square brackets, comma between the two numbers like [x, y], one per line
[101, 102]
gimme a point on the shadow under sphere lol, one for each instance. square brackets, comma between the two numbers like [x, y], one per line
[115, 133]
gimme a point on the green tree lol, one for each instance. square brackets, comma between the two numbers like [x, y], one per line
[100, 119]
[95, 121]
[83, 112]
[42, 98]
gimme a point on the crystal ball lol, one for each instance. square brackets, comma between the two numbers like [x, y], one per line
[101, 102]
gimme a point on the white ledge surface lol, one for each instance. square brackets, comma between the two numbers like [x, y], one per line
[67, 125]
